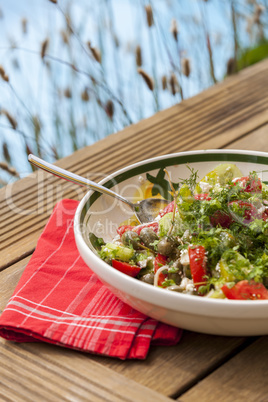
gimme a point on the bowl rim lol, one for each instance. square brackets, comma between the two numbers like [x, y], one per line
[164, 299]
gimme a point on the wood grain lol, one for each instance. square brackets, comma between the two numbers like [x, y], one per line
[40, 372]
[256, 141]
[171, 370]
[9, 280]
[242, 378]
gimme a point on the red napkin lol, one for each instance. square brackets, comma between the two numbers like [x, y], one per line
[60, 300]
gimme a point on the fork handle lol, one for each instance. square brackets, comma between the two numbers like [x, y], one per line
[74, 178]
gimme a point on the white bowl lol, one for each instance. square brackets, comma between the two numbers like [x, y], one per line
[101, 215]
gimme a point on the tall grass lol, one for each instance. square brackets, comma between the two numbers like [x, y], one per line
[86, 70]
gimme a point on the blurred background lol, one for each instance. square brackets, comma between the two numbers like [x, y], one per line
[73, 72]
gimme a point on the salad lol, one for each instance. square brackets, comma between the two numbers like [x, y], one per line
[210, 241]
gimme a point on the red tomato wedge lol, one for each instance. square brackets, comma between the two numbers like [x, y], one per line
[246, 290]
[250, 212]
[159, 261]
[221, 218]
[224, 219]
[249, 184]
[153, 226]
[265, 215]
[131, 270]
[124, 228]
[197, 257]
[167, 209]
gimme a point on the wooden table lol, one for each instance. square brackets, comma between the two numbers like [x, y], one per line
[233, 114]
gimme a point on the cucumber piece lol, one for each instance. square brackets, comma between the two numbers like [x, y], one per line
[185, 194]
[216, 294]
[233, 266]
[165, 223]
[222, 174]
[114, 251]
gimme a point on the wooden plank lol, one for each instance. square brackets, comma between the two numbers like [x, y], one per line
[172, 369]
[9, 280]
[44, 372]
[180, 365]
[242, 378]
[256, 141]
